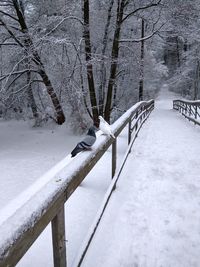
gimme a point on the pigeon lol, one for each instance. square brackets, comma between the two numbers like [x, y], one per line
[105, 127]
[86, 143]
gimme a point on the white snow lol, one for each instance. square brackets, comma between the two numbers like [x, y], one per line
[78, 210]
[153, 217]
[27, 153]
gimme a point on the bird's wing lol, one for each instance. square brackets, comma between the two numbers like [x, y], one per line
[88, 140]
[105, 128]
[76, 150]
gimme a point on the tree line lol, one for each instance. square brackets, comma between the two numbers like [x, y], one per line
[77, 60]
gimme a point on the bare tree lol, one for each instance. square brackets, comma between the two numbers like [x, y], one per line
[102, 67]
[88, 52]
[141, 82]
[25, 42]
[121, 18]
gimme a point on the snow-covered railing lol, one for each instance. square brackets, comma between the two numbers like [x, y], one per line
[189, 109]
[20, 228]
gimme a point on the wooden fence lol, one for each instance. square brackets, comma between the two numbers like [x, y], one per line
[189, 109]
[47, 205]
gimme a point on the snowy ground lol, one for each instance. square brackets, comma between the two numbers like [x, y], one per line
[26, 155]
[153, 218]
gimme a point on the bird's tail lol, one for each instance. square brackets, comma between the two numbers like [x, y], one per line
[75, 151]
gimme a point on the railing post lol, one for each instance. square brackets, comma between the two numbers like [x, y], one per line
[182, 108]
[190, 110]
[196, 112]
[141, 117]
[114, 156]
[58, 238]
[129, 131]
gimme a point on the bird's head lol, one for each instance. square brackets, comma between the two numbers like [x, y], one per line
[92, 130]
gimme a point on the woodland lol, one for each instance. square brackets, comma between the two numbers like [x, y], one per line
[71, 61]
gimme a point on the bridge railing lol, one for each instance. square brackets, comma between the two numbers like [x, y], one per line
[189, 109]
[20, 228]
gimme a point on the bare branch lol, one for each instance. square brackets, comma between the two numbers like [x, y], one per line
[6, 3]
[1, 44]
[141, 39]
[8, 15]
[11, 33]
[16, 73]
[15, 28]
[139, 9]
[64, 19]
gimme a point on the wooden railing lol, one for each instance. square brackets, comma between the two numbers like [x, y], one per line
[21, 228]
[189, 109]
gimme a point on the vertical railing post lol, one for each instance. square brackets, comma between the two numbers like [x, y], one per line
[147, 108]
[182, 108]
[58, 238]
[142, 109]
[114, 157]
[136, 124]
[129, 131]
[190, 110]
[196, 112]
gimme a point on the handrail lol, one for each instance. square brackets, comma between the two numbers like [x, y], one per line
[87, 241]
[19, 231]
[189, 109]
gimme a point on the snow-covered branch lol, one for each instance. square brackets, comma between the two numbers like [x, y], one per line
[140, 9]
[140, 39]
[11, 33]
[56, 27]
[8, 15]
[4, 44]
[16, 73]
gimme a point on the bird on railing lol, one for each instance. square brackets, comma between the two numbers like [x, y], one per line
[105, 127]
[86, 143]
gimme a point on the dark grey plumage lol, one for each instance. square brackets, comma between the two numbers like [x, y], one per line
[86, 143]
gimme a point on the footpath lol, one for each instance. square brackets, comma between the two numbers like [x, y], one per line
[153, 217]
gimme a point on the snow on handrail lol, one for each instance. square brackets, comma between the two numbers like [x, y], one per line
[189, 109]
[193, 102]
[44, 202]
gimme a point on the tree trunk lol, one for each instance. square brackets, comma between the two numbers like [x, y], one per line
[88, 57]
[103, 68]
[114, 58]
[178, 53]
[60, 117]
[28, 44]
[196, 81]
[141, 82]
[31, 99]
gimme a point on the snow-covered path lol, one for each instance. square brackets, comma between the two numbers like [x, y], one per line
[153, 218]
